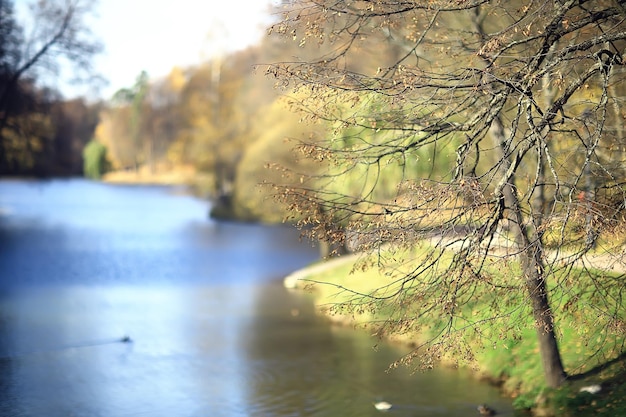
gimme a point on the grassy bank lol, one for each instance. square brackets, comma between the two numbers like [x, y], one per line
[502, 350]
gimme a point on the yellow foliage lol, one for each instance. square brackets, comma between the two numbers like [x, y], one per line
[26, 137]
[272, 159]
[177, 79]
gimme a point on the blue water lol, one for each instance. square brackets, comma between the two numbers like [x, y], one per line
[212, 331]
[74, 232]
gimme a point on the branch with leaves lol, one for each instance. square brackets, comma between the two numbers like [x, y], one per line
[477, 132]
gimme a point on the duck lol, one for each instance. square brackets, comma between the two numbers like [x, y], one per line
[485, 410]
[382, 405]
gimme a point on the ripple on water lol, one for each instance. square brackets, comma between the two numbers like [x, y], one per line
[299, 387]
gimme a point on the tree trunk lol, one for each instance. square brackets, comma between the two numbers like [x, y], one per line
[530, 249]
[531, 259]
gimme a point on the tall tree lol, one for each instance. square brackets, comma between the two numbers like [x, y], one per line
[10, 39]
[57, 32]
[522, 95]
[74, 125]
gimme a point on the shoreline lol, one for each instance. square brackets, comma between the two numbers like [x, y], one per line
[572, 398]
[297, 281]
[159, 175]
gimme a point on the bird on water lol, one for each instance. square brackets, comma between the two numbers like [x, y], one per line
[382, 405]
[485, 410]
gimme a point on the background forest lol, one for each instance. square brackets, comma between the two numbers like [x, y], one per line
[226, 126]
[218, 125]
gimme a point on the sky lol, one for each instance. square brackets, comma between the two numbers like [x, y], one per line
[156, 35]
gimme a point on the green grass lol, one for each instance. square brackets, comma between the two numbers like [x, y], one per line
[503, 349]
[569, 401]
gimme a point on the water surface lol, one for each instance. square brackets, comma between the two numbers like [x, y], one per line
[83, 264]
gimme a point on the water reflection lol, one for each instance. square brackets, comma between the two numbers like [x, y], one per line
[299, 365]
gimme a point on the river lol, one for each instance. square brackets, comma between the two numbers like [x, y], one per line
[128, 301]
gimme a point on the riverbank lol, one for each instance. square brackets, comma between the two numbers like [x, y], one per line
[513, 364]
[159, 174]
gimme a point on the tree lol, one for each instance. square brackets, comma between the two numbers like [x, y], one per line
[276, 129]
[135, 98]
[73, 122]
[113, 131]
[95, 160]
[57, 33]
[10, 39]
[522, 98]
[216, 113]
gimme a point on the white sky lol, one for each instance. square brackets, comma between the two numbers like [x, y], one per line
[156, 35]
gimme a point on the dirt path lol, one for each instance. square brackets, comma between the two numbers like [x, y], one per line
[607, 262]
[291, 280]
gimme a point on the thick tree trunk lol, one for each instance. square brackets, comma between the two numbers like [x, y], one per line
[531, 259]
[532, 268]
[530, 249]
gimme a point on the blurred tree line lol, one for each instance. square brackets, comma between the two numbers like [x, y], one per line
[42, 134]
[224, 118]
